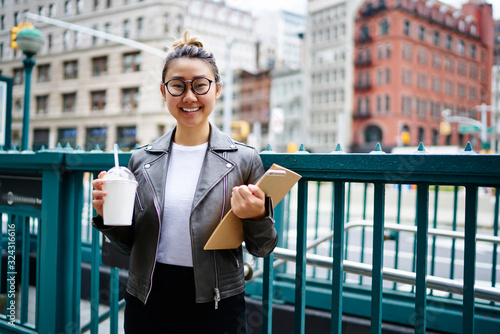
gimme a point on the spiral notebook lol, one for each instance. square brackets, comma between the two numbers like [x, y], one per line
[276, 183]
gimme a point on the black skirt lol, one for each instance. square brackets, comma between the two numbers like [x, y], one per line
[171, 307]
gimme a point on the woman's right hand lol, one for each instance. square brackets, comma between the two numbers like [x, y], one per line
[98, 194]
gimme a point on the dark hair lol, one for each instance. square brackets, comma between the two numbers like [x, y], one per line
[191, 47]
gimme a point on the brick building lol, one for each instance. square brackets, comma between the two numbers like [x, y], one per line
[414, 59]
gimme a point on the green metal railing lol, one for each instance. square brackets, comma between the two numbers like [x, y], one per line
[372, 188]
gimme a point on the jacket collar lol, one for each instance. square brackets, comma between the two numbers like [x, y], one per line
[218, 141]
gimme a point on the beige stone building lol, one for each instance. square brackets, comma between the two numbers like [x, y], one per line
[86, 90]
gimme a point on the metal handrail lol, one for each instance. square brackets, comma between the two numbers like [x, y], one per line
[395, 275]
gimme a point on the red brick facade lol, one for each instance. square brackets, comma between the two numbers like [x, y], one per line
[412, 61]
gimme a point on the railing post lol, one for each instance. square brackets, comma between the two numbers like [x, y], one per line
[378, 257]
[58, 299]
[470, 258]
[300, 269]
[267, 295]
[338, 256]
[421, 260]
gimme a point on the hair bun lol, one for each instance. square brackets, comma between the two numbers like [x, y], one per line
[187, 40]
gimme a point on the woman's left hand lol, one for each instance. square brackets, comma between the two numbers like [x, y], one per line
[248, 202]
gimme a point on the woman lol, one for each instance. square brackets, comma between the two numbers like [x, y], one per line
[188, 180]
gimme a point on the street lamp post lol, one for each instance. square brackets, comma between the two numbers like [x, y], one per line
[30, 41]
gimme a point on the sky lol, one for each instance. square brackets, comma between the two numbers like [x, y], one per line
[300, 6]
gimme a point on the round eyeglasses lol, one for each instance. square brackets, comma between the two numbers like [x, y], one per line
[177, 87]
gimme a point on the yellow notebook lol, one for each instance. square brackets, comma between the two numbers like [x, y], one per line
[276, 183]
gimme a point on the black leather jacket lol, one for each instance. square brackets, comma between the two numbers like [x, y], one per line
[217, 273]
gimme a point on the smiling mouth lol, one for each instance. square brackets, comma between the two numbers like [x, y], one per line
[190, 109]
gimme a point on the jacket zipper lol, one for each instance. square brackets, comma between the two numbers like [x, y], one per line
[216, 289]
[159, 231]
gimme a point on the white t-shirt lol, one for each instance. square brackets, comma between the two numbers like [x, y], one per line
[182, 178]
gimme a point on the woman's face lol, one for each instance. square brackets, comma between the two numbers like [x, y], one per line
[190, 109]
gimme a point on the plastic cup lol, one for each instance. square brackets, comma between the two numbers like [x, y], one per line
[120, 184]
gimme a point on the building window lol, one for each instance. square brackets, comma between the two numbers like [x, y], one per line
[40, 138]
[436, 38]
[43, 73]
[387, 51]
[448, 42]
[132, 62]
[96, 4]
[95, 136]
[462, 68]
[18, 76]
[448, 87]
[384, 27]
[461, 91]
[407, 28]
[421, 33]
[473, 51]
[460, 47]
[126, 28]
[130, 98]
[67, 8]
[387, 104]
[94, 38]
[79, 6]
[2, 22]
[421, 133]
[99, 66]
[140, 26]
[98, 100]
[71, 69]
[365, 33]
[49, 42]
[473, 93]
[387, 75]
[379, 104]
[66, 39]
[108, 3]
[42, 104]
[1, 50]
[52, 10]
[126, 137]
[66, 136]
[473, 71]
[69, 102]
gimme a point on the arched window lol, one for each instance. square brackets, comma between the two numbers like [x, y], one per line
[373, 134]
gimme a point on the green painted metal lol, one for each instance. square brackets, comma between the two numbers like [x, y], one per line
[470, 258]
[434, 225]
[59, 247]
[338, 249]
[377, 258]
[25, 269]
[300, 268]
[495, 233]
[421, 260]
[267, 295]
[28, 62]
[113, 299]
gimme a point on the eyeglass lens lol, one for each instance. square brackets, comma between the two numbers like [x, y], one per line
[176, 86]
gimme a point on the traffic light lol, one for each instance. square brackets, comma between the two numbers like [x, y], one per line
[14, 31]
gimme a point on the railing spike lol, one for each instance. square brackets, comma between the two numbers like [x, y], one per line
[2, 150]
[68, 147]
[338, 149]
[468, 149]
[42, 149]
[268, 149]
[421, 149]
[97, 149]
[378, 149]
[302, 149]
[79, 148]
[59, 146]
